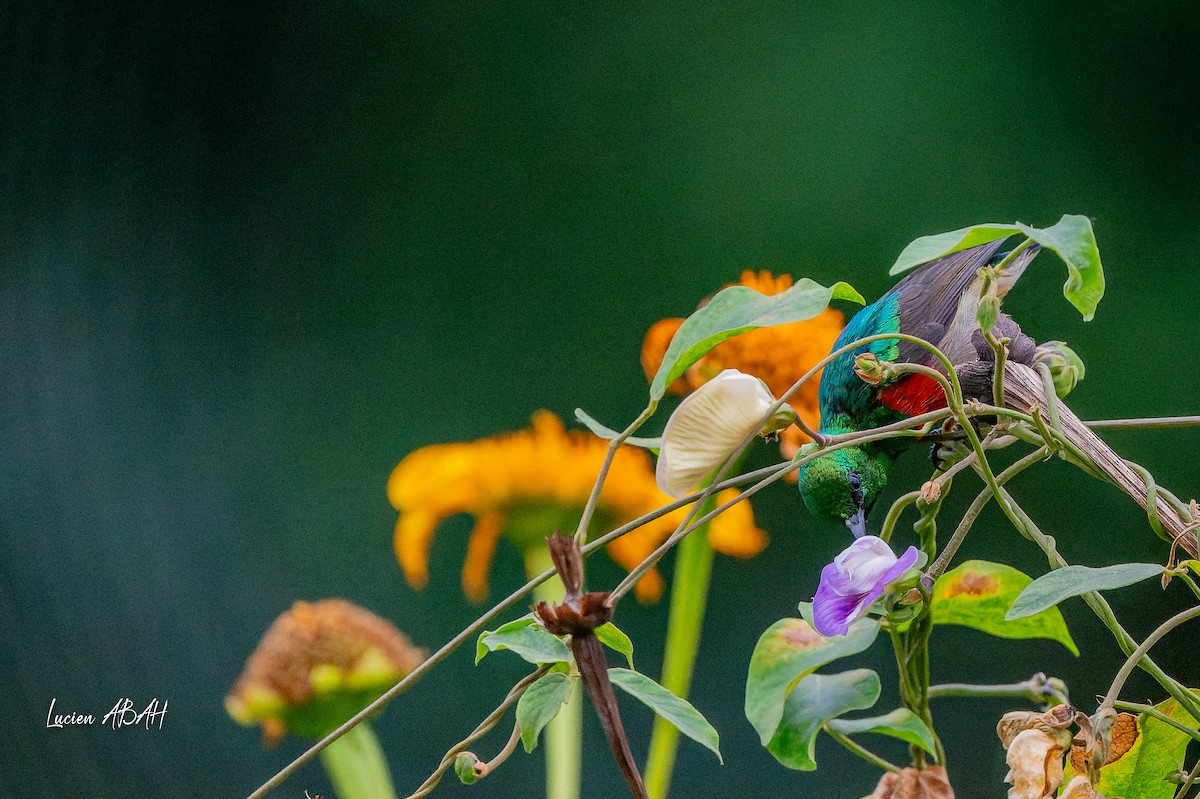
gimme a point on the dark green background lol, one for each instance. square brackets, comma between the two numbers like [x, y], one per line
[250, 257]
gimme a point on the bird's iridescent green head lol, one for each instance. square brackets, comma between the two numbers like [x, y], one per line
[844, 484]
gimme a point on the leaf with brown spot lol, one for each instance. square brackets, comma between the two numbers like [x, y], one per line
[979, 593]
[789, 649]
[1156, 750]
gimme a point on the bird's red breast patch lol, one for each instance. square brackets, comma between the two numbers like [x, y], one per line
[913, 395]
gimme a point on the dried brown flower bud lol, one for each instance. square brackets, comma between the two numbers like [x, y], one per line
[868, 368]
[931, 491]
[930, 783]
[317, 665]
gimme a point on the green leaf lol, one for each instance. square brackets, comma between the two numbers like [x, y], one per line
[815, 700]
[1074, 241]
[608, 434]
[1139, 770]
[788, 650]
[736, 310]
[524, 637]
[540, 703]
[666, 704]
[1071, 238]
[901, 723]
[1052, 588]
[978, 594]
[614, 639]
[930, 248]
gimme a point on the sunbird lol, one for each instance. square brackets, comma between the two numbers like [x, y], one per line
[939, 303]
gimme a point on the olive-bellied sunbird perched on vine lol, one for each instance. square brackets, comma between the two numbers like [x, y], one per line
[938, 303]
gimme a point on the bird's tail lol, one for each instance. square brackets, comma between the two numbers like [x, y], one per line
[1023, 391]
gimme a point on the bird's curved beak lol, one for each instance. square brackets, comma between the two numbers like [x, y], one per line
[858, 523]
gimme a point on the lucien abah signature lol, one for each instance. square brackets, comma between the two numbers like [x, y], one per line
[123, 714]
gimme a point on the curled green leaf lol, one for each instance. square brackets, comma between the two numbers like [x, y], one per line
[737, 310]
[901, 723]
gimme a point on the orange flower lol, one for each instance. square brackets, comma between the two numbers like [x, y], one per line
[778, 355]
[526, 484]
[316, 666]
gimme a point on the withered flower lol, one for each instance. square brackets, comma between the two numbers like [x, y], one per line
[1036, 743]
[578, 615]
[317, 665]
[909, 783]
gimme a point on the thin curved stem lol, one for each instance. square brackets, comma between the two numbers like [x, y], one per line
[508, 749]
[861, 751]
[589, 508]
[1191, 779]
[1127, 668]
[1150, 710]
[972, 513]
[483, 729]
[1099, 605]
[1037, 688]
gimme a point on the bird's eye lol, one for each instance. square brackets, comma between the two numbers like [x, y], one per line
[855, 482]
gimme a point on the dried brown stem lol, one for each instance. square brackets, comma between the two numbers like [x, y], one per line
[1023, 391]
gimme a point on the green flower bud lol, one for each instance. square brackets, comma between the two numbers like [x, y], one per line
[988, 312]
[469, 768]
[1066, 368]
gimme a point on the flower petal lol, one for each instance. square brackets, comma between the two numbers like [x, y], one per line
[833, 612]
[707, 427]
[734, 532]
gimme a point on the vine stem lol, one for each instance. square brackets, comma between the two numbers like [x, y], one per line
[1147, 422]
[585, 519]
[1037, 688]
[1099, 605]
[483, 729]
[860, 750]
[1127, 667]
[1150, 710]
[972, 513]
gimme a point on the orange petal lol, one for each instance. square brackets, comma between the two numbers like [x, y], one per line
[734, 532]
[414, 534]
[654, 347]
[480, 549]
[650, 587]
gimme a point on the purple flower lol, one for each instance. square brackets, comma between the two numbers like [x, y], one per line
[854, 580]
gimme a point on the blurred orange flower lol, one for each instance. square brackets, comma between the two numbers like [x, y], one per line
[779, 356]
[316, 666]
[528, 483]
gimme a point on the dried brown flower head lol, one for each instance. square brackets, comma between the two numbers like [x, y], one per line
[317, 665]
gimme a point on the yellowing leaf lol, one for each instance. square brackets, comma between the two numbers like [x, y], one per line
[979, 593]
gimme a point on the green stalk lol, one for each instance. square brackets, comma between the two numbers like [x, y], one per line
[689, 597]
[356, 765]
[563, 737]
